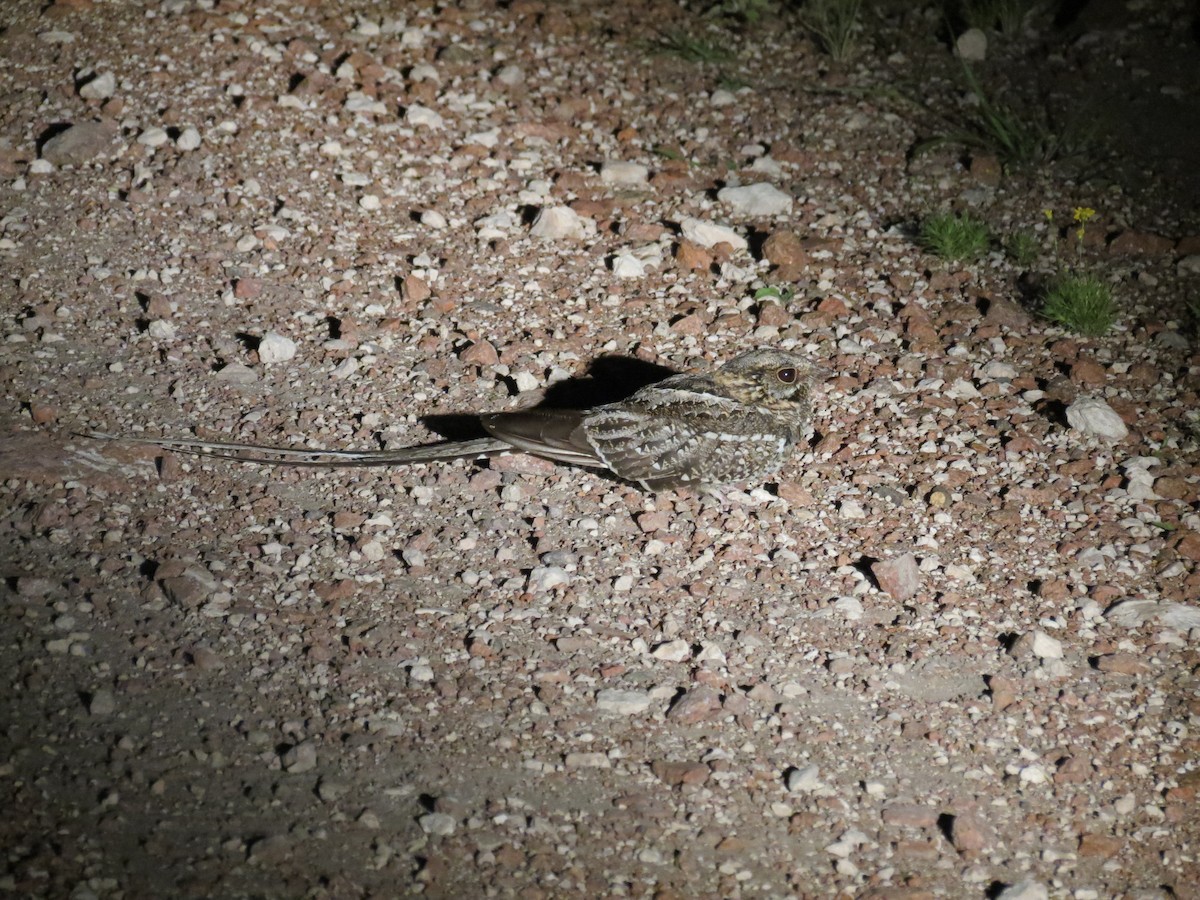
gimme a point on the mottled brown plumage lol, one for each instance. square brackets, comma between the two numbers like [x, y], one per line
[734, 425]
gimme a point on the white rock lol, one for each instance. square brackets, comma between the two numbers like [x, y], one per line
[1034, 774]
[762, 199]
[153, 137]
[971, 45]
[511, 75]
[189, 139]
[851, 509]
[766, 165]
[275, 348]
[722, 97]
[626, 703]
[99, 88]
[804, 780]
[358, 102]
[373, 550]
[431, 218]
[422, 116]
[622, 172]
[1134, 613]
[962, 390]
[1091, 415]
[626, 265]
[545, 578]
[1045, 647]
[559, 222]
[672, 651]
[1024, 890]
[41, 167]
[709, 234]
[495, 226]
[370, 202]
[1189, 265]
[440, 824]
[236, 373]
[851, 608]
[161, 329]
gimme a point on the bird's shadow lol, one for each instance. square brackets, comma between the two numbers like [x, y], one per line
[608, 379]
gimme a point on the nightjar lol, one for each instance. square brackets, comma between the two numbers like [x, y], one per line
[734, 425]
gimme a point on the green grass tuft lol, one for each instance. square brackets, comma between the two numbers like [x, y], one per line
[693, 49]
[834, 23]
[1022, 248]
[1080, 303]
[955, 237]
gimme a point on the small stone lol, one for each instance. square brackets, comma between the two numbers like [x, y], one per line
[370, 202]
[679, 773]
[438, 823]
[329, 790]
[673, 651]
[1120, 664]
[804, 780]
[591, 760]
[709, 234]
[559, 223]
[102, 703]
[623, 173]
[899, 577]
[161, 330]
[1091, 415]
[912, 815]
[300, 758]
[153, 137]
[79, 143]
[480, 353]
[99, 88]
[237, 373]
[692, 257]
[1024, 890]
[431, 218]
[626, 265]
[423, 117]
[785, 249]
[1038, 644]
[1102, 846]
[971, 45]
[625, 703]
[698, 704]
[275, 348]
[546, 578]
[189, 139]
[756, 200]
[969, 833]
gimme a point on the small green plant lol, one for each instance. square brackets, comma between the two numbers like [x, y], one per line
[693, 49]
[955, 237]
[1080, 303]
[1006, 16]
[834, 23]
[1022, 248]
[783, 295]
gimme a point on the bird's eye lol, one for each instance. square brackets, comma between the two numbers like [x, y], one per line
[787, 375]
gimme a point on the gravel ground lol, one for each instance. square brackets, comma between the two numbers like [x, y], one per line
[950, 652]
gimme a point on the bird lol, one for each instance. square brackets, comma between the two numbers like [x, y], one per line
[733, 425]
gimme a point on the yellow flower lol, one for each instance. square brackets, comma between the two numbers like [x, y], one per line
[1049, 214]
[1083, 213]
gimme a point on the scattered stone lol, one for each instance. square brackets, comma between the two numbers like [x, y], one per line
[898, 577]
[1038, 644]
[625, 703]
[99, 88]
[785, 249]
[971, 45]
[153, 137]
[1102, 846]
[558, 223]
[79, 143]
[590, 760]
[680, 773]
[969, 833]
[912, 815]
[423, 117]
[1091, 415]
[546, 578]
[275, 348]
[237, 373]
[299, 759]
[673, 651]
[1025, 890]
[1135, 613]
[480, 353]
[189, 139]
[692, 257]
[698, 704]
[102, 703]
[626, 265]
[804, 780]
[756, 200]
[621, 172]
[438, 824]
[708, 234]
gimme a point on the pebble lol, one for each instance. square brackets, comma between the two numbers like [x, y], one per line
[847, 843]
[850, 608]
[161, 330]
[546, 578]
[1091, 415]
[851, 509]
[1039, 644]
[626, 265]
[438, 824]
[275, 348]
[1024, 890]
[625, 703]
[756, 200]
[236, 373]
[99, 88]
[431, 218]
[1134, 613]
[624, 173]
[370, 202]
[102, 703]
[971, 45]
[423, 117]
[698, 704]
[79, 143]
[559, 222]
[708, 234]
[673, 651]
[300, 758]
[189, 139]
[898, 577]
[722, 97]
[590, 760]
[804, 780]
[153, 137]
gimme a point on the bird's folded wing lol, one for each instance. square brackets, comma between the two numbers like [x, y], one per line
[556, 434]
[294, 456]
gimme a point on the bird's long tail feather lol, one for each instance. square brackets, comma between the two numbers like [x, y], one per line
[291, 456]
